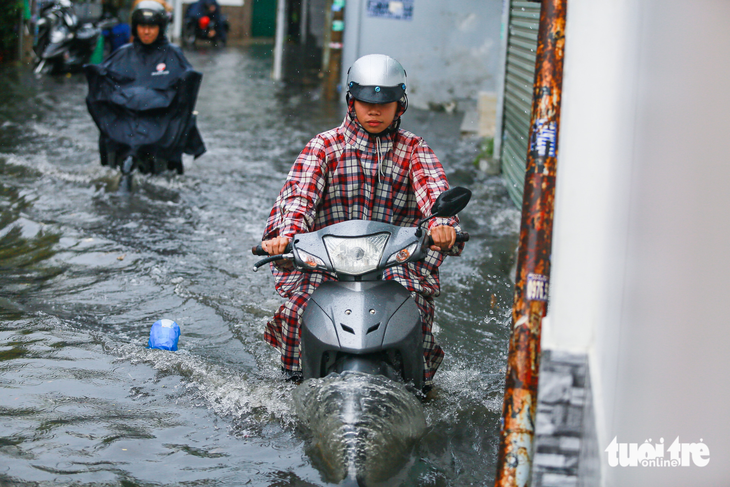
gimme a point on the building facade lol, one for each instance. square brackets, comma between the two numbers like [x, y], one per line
[633, 379]
[450, 50]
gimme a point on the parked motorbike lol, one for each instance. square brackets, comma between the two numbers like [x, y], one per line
[361, 322]
[63, 43]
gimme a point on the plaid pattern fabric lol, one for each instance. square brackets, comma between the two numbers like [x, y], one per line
[347, 174]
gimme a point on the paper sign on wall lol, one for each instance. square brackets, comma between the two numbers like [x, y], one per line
[398, 10]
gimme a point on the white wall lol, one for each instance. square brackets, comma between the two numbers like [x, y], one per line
[642, 224]
[450, 50]
[592, 193]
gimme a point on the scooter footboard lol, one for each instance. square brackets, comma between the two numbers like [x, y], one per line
[368, 318]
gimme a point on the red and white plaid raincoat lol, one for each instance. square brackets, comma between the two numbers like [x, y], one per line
[348, 174]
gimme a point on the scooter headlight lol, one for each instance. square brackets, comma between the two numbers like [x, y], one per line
[356, 256]
[403, 254]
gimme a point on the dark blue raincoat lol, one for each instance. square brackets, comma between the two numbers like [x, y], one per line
[142, 98]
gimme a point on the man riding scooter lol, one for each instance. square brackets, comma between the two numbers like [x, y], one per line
[365, 169]
[142, 98]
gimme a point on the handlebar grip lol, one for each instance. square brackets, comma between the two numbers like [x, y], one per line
[460, 237]
[259, 250]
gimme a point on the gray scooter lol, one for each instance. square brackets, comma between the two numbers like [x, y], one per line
[361, 322]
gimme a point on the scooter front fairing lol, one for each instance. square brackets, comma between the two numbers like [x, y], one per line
[365, 326]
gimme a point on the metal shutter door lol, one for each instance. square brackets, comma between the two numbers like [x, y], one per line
[524, 22]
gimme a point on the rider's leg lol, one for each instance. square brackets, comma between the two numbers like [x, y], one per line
[283, 332]
[433, 355]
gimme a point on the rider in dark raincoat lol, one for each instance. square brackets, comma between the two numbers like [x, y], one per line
[142, 98]
[212, 10]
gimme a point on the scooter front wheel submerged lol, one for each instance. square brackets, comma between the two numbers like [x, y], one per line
[372, 363]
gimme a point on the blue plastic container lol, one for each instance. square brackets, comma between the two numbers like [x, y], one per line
[164, 335]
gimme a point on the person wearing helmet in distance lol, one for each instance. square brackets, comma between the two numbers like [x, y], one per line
[149, 48]
[367, 168]
[149, 22]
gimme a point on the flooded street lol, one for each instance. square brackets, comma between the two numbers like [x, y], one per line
[85, 272]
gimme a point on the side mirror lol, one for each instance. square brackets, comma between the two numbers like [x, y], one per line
[450, 202]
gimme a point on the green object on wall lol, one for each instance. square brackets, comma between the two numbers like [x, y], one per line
[263, 19]
[9, 18]
[98, 55]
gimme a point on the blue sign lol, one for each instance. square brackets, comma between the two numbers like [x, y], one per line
[398, 10]
[543, 140]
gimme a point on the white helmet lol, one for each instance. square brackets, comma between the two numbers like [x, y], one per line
[377, 78]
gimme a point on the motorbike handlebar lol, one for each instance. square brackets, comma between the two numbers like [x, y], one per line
[259, 250]
[460, 237]
[287, 255]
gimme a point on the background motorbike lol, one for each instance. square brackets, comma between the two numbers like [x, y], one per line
[200, 29]
[63, 43]
[360, 322]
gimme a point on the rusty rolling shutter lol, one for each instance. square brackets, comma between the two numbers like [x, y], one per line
[524, 20]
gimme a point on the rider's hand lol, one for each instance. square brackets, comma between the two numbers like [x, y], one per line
[276, 245]
[444, 237]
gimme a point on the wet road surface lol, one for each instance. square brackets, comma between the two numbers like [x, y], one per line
[84, 273]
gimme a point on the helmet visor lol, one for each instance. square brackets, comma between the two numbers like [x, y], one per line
[376, 94]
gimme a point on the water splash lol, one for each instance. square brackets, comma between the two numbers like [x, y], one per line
[363, 427]
[251, 400]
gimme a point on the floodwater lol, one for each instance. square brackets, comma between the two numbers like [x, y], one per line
[84, 273]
